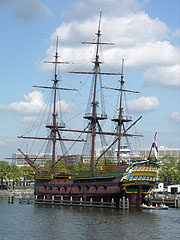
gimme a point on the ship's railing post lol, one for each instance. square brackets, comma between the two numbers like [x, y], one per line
[44, 198]
[80, 200]
[52, 199]
[90, 201]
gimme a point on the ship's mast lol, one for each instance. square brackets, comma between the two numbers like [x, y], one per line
[94, 103]
[121, 119]
[94, 117]
[119, 128]
[54, 114]
[54, 126]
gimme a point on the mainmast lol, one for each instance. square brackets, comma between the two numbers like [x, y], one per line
[94, 103]
[119, 128]
[94, 117]
[54, 114]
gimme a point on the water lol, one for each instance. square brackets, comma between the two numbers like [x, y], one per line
[69, 223]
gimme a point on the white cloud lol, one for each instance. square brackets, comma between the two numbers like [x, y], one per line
[141, 40]
[32, 104]
[175, 116]
[123, 31]
[168, 76]
[29, 119]
[138, 39]
[142, 104]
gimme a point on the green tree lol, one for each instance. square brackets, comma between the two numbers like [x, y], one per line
[170, 169]
[28, 173]
[5, 170]
[62, 167]
[15, 174]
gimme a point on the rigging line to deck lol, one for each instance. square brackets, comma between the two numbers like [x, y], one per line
[69, 148]
[117, 140]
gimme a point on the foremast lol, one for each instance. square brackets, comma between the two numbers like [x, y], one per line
[54, 126]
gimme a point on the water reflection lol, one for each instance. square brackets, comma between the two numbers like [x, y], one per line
[58, 222]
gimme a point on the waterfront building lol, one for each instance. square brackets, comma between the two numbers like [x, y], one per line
[162, 151]
[71, 159]
[174, 189]
[41, 159]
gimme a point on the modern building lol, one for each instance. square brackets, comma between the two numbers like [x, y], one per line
[40, 159]
[162, 151]
[71, 159]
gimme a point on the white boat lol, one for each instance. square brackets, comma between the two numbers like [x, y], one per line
[159, 207]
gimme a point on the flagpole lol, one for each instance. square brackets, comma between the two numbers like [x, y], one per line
[152, 146]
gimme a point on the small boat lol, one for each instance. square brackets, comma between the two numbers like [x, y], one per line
[159, 207]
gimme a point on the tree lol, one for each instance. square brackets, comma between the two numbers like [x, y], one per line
[5, 170]
[28, 173]
[15, 174]
[170, 169]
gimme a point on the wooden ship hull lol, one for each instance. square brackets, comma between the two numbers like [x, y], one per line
[109, 184]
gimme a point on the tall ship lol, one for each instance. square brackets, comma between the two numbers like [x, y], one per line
[132, 179]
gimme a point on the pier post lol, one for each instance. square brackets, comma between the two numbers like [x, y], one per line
[127, 203]
[61, 199]
[71, 200]
[20, 198]
[177, 202]
[28, 198]
[112, 202]
[11, 198]
[124, 203]
[80, 200]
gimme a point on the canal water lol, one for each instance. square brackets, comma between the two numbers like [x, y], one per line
[29, 222]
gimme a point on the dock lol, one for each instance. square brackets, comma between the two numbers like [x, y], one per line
[123, 203]
[172, 203]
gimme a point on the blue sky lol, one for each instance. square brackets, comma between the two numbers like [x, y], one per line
[146, 34]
